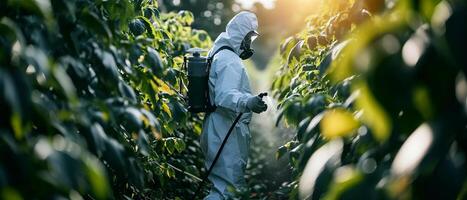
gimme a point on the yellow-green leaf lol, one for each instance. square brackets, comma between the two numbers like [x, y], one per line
[373, 114]
[338, 123]
[163, 87]
[166, 109]
[10, 193]
[17, 125]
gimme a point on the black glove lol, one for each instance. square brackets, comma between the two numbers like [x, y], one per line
[256, 104]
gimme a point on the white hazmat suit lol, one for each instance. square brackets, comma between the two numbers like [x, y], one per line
[229, 90]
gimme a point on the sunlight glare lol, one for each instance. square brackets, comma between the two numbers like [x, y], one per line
[413, 151]
[269, 4]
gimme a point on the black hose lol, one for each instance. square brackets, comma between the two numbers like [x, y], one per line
[220, 149]
[218, 154]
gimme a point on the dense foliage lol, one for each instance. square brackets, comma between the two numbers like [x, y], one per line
[90, 100]
[380, 113]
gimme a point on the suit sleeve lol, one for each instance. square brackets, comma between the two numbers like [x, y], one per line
[228, 86]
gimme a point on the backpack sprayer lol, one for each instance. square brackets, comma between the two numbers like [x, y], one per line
[198, 68]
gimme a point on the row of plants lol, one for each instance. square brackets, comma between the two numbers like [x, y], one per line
[377, 93]
[91, 101]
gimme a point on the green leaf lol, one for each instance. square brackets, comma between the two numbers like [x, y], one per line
[66, 84]
[338, 123]
[96, 24]
[137, 27]
[97, 177]
[10, 194]
[17, 125]
[170, 172]
[187, 17]
[114, 154]
[10, 34]
[41, 8]
[133, 120]
[295, 52]
[286, 46]
[126, 91]
[317, 170]
[280, 152]
[148, 25]
[38, 59]
[166, 109]
[169, 145]
[374, 115]
[345, 179]
[143, 143]
[180, 145]
[154, 61]
[108, 73]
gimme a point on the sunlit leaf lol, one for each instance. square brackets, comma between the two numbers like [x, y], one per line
[422, 101]
[65, 83]
[413, 151]
[148, 26]
[17, 125]
[373, 114]
[164, 87]
[170, 172]
[338, 123]
[186, 16]
[10, 194]
[98, 179]
[286, 46]
[295, 52]
[345, 178]
[166, 109]
[347, 64]
[329, 154]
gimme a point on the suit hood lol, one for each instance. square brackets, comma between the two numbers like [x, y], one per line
[237, 28]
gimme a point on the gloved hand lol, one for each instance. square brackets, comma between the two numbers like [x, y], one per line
[256, 104]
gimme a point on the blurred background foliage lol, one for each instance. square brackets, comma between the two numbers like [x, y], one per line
[277, 19]
[369, 98]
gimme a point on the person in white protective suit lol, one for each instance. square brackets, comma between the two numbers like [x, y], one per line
[230, 91]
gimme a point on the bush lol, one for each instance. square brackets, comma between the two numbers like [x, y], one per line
[377, 112]
[91, 100]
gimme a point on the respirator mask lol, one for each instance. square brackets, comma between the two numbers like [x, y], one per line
[247, 52]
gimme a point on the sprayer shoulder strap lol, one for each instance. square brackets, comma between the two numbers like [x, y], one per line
[212, 107]
[219, 50]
